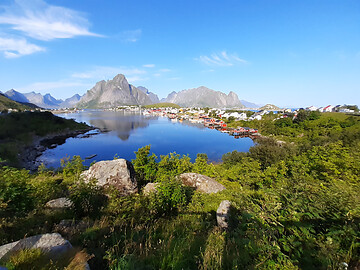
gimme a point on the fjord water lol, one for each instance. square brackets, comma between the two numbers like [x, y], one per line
[128, 131]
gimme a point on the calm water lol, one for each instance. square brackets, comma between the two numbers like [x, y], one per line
[129, 131]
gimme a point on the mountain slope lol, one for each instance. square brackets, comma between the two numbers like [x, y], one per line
[16, 96]
[204, 97]
[112, 93]
[6, 103]
[153, 97]
[248, 104]
[70, 102]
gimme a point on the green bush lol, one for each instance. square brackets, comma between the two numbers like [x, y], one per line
[88, 199]
[170, 196]
[16, 193]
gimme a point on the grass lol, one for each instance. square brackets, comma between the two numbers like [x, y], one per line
[162, 105]
[6, 103]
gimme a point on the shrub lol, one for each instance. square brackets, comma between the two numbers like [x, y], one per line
[87, 198]
[170, 196]
[16, 194]
[145, 165]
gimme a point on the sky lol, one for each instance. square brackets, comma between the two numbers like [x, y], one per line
[285, 52]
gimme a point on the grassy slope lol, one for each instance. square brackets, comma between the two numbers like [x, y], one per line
[162, 105]
[6, 103]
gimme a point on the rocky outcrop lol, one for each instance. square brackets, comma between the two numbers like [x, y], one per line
[201, 182]
[204, 97]
[222, 214]
[59, 203]
[149, 188]
[153, 97]
[52, 244]
[118, 173]
[112, 93]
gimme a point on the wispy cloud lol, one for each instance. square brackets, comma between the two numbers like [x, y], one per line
[39, 20]
[104, 73]
[164, 70]
[14, 48]
[221, 59]
[149, 65]
[49, 86]
[131, 35]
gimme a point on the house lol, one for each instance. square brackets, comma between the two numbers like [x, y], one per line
[311, 108]
[328, 108]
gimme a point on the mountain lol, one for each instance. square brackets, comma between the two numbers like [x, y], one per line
[70, 102]
[153, 97]
[269, 107]
[248, 104]
[7, 103]
[112, 93]
[204, 97]
[16, 96]
[47, 101]
[51, 101]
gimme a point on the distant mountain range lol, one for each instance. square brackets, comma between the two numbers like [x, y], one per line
[118, 92]
[204, 97]
[47, 101]
[7, 103]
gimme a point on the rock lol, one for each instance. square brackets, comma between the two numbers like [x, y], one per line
[222, 214]
[201, 182]
[70, 227]
[149, 188]
[52, 244]
[118, 173]
[60, 203]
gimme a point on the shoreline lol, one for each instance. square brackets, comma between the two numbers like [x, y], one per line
[29, 153]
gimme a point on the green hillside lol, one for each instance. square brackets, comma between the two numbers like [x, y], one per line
[6, 103]
[162, 105]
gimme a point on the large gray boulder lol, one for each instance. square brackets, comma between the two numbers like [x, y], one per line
[118, 173]
[222, 214]
[59, 203]
[149, 188]
[52, 244]
[201, 182]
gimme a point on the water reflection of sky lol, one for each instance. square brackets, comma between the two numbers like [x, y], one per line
[127, 132]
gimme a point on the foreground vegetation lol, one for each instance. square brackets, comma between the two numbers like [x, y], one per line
[295, 205]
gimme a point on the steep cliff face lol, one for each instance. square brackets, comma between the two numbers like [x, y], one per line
[111, 93]
[204, 97]
[153, 97]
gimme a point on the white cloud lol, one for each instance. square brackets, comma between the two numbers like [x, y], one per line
[165, 70]
[221, 59]
[134, 79]
[149, 65]
[131, 35]
[39, 20]
[14, 48]
[105, 73]
[48, 86]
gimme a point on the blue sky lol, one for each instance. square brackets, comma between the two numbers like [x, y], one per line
[284, 52]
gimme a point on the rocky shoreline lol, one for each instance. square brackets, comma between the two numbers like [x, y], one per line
[28, 156]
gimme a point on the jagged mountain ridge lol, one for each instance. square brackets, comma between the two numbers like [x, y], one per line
[204, 97]
[47, 101]
[112, 93]
[153, 97]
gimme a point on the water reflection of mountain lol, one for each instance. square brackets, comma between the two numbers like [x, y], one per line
[121, 125]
